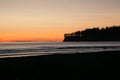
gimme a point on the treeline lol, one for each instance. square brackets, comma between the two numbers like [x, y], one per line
[95, 34]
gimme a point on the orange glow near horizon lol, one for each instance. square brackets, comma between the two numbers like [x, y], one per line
[30, 36]
[49, 20]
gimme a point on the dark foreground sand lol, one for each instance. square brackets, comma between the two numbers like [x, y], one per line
[87, 66]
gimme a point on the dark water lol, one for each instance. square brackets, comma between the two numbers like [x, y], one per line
[19, 49]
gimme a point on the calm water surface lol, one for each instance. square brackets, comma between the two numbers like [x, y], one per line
[19, 49]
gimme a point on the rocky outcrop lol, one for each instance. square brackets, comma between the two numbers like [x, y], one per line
[95, 34]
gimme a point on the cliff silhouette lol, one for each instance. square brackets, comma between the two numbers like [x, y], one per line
[94, 34]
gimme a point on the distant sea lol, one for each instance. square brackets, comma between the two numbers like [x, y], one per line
[20, 49]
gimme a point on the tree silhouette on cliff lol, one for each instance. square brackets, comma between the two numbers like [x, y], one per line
[95, 34]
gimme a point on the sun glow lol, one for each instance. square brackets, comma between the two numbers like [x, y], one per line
[49, 20]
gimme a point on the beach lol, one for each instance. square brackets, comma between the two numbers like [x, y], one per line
[60, 40]
[80, 66]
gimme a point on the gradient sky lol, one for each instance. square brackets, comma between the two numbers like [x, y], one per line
[48, 20]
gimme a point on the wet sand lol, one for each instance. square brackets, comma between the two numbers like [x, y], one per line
[86, 66]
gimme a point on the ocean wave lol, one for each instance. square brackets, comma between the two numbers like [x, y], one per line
[54, 48]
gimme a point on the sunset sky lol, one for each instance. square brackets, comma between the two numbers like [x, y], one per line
[48, 20]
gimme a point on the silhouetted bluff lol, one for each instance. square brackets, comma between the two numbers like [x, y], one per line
[95, 34]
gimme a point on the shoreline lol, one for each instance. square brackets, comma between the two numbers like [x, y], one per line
[52, 54]
[96, 65]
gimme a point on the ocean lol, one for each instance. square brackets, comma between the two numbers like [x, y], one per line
[22, 49]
